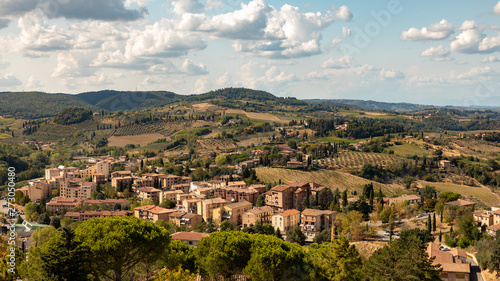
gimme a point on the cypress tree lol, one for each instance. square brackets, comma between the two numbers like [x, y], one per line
[434, 222]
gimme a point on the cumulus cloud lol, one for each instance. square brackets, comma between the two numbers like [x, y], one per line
[33, 83]
[343, 62]
[391, 74]
[187, 6]
[343, 13]
[73, 64]
[496, 9]
[490, 59]
[9, 80]
[37, 38]
[438, 53]
[435, 31]
[107, 10]
[475, 41]
[192, 68]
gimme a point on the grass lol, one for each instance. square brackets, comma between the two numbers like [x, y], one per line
[7, 121]
[408, 149]
[328, 178]
[334, 139]
[142, 140]
[5, 136]
[480, 192]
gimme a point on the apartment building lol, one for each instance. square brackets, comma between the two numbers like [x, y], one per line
[205, 207]
[59, 204]
[236, 194]
[257, 215]
[286, 220]
[153, 213]
[231, 212]
[149, 193]
[77, 188]
[312, 221]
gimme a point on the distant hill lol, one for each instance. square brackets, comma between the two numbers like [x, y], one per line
[38, 105]
[125, 100]
[375, 105]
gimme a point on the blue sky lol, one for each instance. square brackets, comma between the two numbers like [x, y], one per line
[429, 52]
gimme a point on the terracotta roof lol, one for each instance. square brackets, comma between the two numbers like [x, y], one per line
[290, 212]
[148, 189]
[446, 260]
[460, 203]
[280, 188]
[239, 204]
[314, 212]
[188, 236]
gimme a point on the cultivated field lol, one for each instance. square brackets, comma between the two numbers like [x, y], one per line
[5, 136]
[142, 140]
[216, 144]
[255, 115]
[355, 159]
[408, 149]
[327, 178]
[480, 192]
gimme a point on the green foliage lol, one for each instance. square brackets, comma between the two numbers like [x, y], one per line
[448, 196]
[177, 274]
[401, 261]
[226, 226]
[72, 115]
[295, 235]
[179, 254]
[117, 244]
[336, 261]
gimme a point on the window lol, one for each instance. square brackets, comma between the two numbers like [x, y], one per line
[460, 276]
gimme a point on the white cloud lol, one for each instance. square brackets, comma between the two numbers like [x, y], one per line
[435, 31]
[39, 39]
[275, 75]
[343, 62]
[346, 31]
[438, 53]
[225, 80]
[343, 13]
[490, 59]
[96, 34]
[33, 83]
[391, 74]
[73, 64]
[202, 85]
[187, 6]
[496, 9]
[336, 41]
[473, 41]
[191, 68]
[474, 73]
[4, 23]
[9, 80]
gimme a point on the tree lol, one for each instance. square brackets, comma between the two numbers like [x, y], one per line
[261, 201]
[177, 274]
[55, 221]
[429, 224]
[118, 244]
[42, 235]
[223, 254]
[167, 203]
[422, 235]
[494, 260]
[65, 258]
[336, 261]
[277, 233]
[220, 160]
[295, 235]
[434, 222]
[400, 261]
[179, 254]
[323, 236]
[226, 226]
[44, 219]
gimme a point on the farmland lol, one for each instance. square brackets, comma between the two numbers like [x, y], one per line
[408, 149]
[165, 127]
[355, 159]
[327, 178]
[255, 115]
[216, 144]
[480, 192]
[141, 140]
[5, 136]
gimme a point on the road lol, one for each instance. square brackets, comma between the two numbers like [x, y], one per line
[5, 210]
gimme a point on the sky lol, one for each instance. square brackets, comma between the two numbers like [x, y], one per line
[428, 52]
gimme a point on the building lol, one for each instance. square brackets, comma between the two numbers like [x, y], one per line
[59, 204]
[153, 213]
[190, 238]
[483, 217]
[452, 263]
[205, 207]
[99, 178]
[293, 163]
[257, 215]
[231, 212]
[36, 190]
[312, 221]
[149, 193]
[86, 215]
[443, 164]
[182, 219]
[110, 203]
[170, 195]
[284, 197]
[412, 199]
[119, 174]
[237, 194]
[460, 203]
[286, 220]
[78, 188]
[184, 187]
[103, 167]
[167, 181]
[121, 182]
[191, 205]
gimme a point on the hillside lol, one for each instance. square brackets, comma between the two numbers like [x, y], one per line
[118, 100]
[37, 104]
[375, 105]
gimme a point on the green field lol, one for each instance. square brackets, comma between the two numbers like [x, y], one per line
[480, 192]
[327, 178]
[407, 149]
[334, 139]
[5, 136]
[7, 121]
